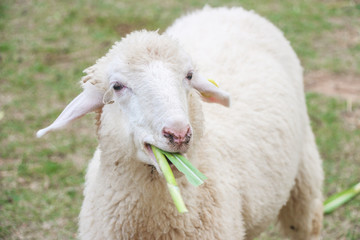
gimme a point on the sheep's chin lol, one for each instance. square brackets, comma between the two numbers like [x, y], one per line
[153, 162]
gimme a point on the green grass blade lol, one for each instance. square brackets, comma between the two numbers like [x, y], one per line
[170, 179]
[182, 167]
[340, 198]
[164, 166]
[176, 196]
[190, 166]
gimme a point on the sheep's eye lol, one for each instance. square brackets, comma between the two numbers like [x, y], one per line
[118, 86]
[189, 76]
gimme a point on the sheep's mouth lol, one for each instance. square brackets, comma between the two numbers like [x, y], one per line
[155, 163]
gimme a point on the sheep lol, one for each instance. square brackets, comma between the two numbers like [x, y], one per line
[259, 154]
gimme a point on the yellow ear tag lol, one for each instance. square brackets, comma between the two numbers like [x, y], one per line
[213, 82]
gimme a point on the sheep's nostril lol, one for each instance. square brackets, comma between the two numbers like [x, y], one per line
[188, 136]
[169, 136]
[178, 136]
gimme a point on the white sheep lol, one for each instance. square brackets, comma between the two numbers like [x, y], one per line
[259, 155]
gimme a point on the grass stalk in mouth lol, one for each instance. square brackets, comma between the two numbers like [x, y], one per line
[170, 179]
[193, 175]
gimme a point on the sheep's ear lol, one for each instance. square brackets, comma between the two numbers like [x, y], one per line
[87, 101]
[210, 91]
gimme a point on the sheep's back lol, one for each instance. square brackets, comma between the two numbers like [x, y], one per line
[256, 144]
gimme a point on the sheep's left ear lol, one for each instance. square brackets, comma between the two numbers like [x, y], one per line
[210, 92]
[87, 101]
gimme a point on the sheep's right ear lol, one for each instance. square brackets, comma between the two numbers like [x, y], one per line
[87, 101]
[210, 91]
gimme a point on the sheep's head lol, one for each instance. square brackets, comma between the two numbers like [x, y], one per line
[144, 85]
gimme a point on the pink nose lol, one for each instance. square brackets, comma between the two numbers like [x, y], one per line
[178, 135]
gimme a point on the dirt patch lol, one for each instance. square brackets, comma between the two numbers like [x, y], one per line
[352, 118]
[345, 86]
[124, 28]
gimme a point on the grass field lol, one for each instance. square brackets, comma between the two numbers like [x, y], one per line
[45, 45]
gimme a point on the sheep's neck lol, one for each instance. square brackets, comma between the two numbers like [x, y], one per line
[138, 191]
[142, 180]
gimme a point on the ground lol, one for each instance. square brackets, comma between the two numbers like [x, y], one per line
[340, 86]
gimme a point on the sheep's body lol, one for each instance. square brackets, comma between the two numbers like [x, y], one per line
[265, 136]
[259, 155]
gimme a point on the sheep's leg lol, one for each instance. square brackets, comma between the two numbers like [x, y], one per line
[301, 217]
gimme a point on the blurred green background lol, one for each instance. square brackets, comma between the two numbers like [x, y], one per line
[45, 45]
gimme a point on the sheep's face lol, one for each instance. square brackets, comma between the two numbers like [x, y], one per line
[146, 83]
[153, 102]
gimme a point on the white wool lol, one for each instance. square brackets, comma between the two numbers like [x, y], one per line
[259, 155]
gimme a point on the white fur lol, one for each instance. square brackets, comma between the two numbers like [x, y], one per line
[259, 155]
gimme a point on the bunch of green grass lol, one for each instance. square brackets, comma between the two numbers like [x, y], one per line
[193, 175]
[341, 198]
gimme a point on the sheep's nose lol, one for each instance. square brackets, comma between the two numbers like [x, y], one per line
[177, 133]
